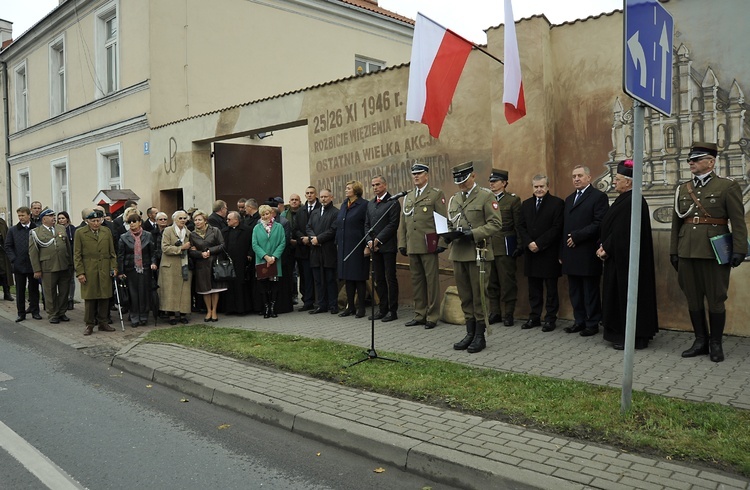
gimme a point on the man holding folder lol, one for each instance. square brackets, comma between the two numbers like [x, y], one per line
[417, 239]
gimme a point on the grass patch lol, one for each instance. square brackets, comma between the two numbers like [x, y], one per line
[710, 433]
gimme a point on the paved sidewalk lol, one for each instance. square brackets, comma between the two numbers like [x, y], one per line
[467, 451]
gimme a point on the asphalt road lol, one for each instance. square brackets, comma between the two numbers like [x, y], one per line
[78, 423]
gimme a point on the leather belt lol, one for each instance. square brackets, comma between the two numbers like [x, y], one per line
[700, 220]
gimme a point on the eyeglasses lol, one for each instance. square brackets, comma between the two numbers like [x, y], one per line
[161, 219]
[182, 218]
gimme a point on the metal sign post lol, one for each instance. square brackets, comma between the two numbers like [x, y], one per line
[647, 77]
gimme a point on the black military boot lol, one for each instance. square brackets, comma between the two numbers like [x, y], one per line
[700, 345]
[471, 327]
[717, 321]
[478, 344]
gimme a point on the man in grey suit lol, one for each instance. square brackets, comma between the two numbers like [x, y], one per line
[51, 258]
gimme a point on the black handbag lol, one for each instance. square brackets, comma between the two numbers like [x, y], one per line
[223, 269]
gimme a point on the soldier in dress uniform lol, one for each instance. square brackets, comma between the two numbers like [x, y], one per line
[417, 229]
[502, 287]
[474, 212]
[703, 208]
[51, 258]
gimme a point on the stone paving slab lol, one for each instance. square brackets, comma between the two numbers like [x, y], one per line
[658, 369]
[481, 454]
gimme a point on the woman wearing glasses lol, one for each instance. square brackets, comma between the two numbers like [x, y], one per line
[175, 275]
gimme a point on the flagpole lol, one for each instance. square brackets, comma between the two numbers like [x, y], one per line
[473, 44]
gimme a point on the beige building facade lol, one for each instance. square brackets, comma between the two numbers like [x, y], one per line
[86, 84]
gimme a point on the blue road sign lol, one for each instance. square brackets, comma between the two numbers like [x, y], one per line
[647, 67]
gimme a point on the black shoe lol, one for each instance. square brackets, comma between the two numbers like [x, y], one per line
[360, 314]
[531, 324]
[575, 328]
[8, 297]
[306, 308]
[379, 315]
[335, 310]
[28, 310]
[345, 313]
[618, 346]
[317, 310]
[412, 323]
[54, 319]
[36, 316]
[64, 318]
[548, 326]
[494, 318]
[20, 318]
[173, 321]
[430, 325]
[508, 321]
[389, 317]
[589, 331]
[295, 301]
[70, 304]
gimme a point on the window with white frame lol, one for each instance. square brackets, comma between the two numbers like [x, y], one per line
[108, 58]
[22, 97]
[57, 77]
[110, 167]
[60, 191]
[364, 65]
[24, 188]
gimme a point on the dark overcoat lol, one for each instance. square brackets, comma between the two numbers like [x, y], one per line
[238, 244]
[350, 226]
[582, 222]
[17, 248]
[545, 228]
[299, 230]
[615, 237]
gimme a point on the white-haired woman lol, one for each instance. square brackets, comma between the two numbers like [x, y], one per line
[175, 275]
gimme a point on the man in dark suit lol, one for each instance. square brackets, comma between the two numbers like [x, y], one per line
[218, 218]
[704, 207]
[17, 249]
[383, 245]
[251, 213]
[302, 252]
[540, 230]
[321, 231]
[584, 211]
[150, 224]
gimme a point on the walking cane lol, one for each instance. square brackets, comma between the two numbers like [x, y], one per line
[117, 295]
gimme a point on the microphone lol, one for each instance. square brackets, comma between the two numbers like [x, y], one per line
[398, 196]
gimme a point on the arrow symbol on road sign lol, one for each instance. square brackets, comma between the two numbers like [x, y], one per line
[664, 43]
[639, 57]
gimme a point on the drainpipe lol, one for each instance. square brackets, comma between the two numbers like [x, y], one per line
[6, 122]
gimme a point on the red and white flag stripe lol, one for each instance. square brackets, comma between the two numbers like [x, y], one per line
[438, 56]
[515, 104]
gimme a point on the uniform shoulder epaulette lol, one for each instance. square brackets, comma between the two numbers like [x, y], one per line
[486, 190]
[436, 189]
[512, 194]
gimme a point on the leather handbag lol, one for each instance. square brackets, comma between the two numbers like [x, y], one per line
[223, 268]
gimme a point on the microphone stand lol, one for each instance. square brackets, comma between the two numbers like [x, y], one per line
[372, 353]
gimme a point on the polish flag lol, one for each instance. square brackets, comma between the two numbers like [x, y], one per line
[515, 105]
[438, 56]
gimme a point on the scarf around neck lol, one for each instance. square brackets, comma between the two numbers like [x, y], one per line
[138, 250]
